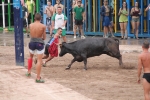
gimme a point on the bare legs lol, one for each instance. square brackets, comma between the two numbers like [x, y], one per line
[123, 27]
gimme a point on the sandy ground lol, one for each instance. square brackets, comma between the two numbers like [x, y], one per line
[104, 79]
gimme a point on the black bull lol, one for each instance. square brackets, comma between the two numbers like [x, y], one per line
[90, 47]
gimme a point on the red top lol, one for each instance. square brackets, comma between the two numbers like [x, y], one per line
[53, 48]
[136, 13]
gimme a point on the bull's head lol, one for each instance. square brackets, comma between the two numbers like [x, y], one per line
[63, 49]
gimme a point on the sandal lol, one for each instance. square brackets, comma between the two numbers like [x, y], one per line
[28, 74]
[39, 81]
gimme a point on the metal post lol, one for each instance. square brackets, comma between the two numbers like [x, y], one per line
[148, 19]
[68, 21]
[89, 15]
[99, 16]
[18, 29]
[3, 10]
[9, 23]
[129, 25]
[53, 2]
[142, 17]
[84, 6]
[37, 6]
[31, 4]
[116, 15]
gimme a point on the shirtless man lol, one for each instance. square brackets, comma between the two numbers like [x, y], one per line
[144, 63]
[58, 4]
[49, 12]
[38, 35]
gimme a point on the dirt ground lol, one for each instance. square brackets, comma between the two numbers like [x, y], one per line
[104, 79]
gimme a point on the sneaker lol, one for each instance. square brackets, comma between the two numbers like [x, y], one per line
[106, 36]
[82, 37]
[74, 37]
[28, 74]
[39, 81]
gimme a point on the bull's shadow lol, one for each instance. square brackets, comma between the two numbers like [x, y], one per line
[90, 47]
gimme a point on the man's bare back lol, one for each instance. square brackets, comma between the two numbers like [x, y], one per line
[145, 61]
[37, 30]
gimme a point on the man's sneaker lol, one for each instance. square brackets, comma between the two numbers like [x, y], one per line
[74, 37]
[105, 36]
[82, 37]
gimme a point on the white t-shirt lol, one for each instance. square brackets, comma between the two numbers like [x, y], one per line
[59, 20]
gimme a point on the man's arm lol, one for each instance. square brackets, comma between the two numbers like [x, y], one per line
[54, 9]
[44, 33]
[139, 68]
[53, 21]
[147, 8]
[65, 21]
[45, 11]
[102, 12]
[83, 15]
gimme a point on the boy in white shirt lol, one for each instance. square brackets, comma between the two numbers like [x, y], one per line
[59, 20]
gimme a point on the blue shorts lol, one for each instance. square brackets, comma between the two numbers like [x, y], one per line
[106, 21]
[36, 47]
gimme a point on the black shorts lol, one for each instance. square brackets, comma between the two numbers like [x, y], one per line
[46, 49]
[147, 77]
[24, 23]
[29, 18]
[78, 22]
[48, 21]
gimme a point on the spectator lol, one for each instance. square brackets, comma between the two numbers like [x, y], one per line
[135, 13]
[148, 9]
[106, 14]
[29, 7]
[49, 12]
[58, 4]
[79, 19]
[59, 20]
[111, 26]
[75, 4]
[25, 18]
[123, 20]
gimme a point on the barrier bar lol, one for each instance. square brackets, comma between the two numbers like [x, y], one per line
[89, 15]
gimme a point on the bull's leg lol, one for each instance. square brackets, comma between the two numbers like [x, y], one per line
[120, 61]
[69, 66]
[118, 56]
[85, 63]
[85, 60]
